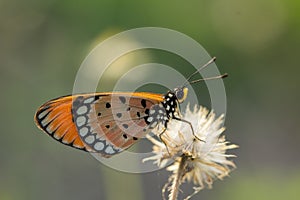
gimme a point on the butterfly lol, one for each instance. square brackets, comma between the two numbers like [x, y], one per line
[110, 122]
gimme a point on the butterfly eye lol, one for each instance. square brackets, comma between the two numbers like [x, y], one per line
[181, 94]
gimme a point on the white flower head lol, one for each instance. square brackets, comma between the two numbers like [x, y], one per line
[200, 157]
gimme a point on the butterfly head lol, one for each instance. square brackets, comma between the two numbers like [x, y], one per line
[181, 93]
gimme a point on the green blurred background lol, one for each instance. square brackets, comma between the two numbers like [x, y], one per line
[42, 44]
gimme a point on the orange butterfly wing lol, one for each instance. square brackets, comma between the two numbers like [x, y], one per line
[107, 123]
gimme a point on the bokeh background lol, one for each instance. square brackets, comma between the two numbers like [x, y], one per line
[43, 43]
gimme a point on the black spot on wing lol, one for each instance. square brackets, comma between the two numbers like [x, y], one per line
[97, 97]
[108, 105]
[143, 102]
[147, 111]
[125, 125]
[122, 99]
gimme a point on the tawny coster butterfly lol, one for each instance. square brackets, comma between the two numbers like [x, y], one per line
[108, 123]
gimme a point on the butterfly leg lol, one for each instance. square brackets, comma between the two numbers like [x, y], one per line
[189, 123]
[161, 139]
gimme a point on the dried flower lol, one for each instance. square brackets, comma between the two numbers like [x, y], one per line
[198, 161]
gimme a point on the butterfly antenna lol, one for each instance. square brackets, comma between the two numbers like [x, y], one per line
[209, 78]
[198, 70]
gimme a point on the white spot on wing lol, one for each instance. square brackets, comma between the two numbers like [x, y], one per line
[57, 137]
[89, 139]
[83, 131]
[150, 119]
[109, 150]
[99, 146]
[48, 130]
[89, 100]
[44, 122]
[82, 110]
[152, 112]
[42, 114]
[80, 120]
